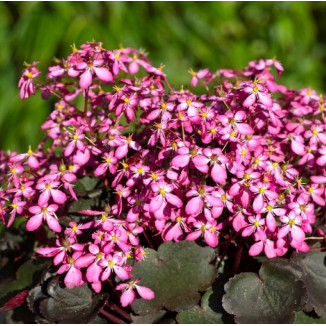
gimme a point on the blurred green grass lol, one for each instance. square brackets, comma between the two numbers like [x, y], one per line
[181, 35]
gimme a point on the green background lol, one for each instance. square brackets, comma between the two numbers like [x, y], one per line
[180, 35]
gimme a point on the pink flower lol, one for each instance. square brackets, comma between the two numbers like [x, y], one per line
[198, 75]
[208, 230]
[263, 192]
[162, 195]
[257, 92]
[76, 142]
[110, 162]
[47, 187]
[217, 161]
[17, 207]
[91, 68]
[113, 263]
[74, 276]
[256, 224]
[43, 212]
[292, 224]
[201, 195]
[129, 295]
[26, 82]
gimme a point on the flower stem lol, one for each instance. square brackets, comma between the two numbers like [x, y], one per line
[237, 260]
[111, 317]
[119, 310]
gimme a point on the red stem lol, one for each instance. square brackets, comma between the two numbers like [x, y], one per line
[111, 317]
[237, 260]
[119, 310]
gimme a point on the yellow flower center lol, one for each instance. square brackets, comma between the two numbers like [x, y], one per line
[14, 206]
[232, 133]
[243, 152]
[223, 197]
[74, 228]
[201, 190]
[29, 75]
[255, 89]
[314, 132]
[291, 222]
[47, 186]
[114, 238]
[154, 176]
[162, 191]
[310, 190]
[246, 176]
[256, 224]
[189, 102]
[70, 260]
[214, 158]
[127, 100]
[103, 217]
[44, 209]
[213, 130]
[303, 207]
[256, 160]
[75, 137]
[269, 208]
[140, 170]
[108, 160]
[22, 188]
[163, 106]
[111, 263]
[231, 121]
[203, 227]
[178, 219]
[99, 255]
[261, 190]
[193, 152]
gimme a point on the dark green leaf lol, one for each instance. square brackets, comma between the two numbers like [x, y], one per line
[77, 305]
[85, 184]
[176, 272]
[314, 268]
[81, 204]
[149, 318]
[27, 276]
[303, 318]
[272, 297]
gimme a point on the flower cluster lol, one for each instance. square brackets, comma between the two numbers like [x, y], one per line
[245, 159]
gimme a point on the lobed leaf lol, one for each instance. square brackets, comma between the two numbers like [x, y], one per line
[313, 264]
[210, 310]
[176, 272]
[272, 297]
[76, 305]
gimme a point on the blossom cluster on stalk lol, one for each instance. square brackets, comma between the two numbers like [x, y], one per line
[246, 158]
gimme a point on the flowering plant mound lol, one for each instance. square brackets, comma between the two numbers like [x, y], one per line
[139, 190]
